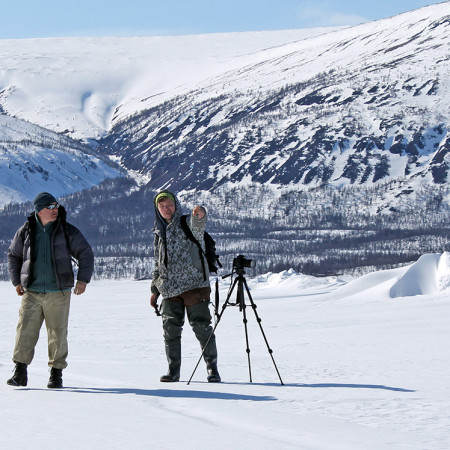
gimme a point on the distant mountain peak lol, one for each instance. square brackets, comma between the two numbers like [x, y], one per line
[301, 108]
[356, 106]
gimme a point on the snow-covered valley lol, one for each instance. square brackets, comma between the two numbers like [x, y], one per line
[364, 363]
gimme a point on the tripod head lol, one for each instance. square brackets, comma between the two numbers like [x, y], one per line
[238, 272]
[240, 263]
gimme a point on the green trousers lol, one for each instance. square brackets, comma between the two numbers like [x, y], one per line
[35, 308]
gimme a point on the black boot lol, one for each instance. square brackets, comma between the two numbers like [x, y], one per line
[55, 380]
[173, 354]
[210, 357]
[20, 377]
[170, 377]
[213, 374]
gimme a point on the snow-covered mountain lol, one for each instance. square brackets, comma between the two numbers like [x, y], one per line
[355, 106]
[78, 87]
[33, 159]
[296, 109]
[82, 85]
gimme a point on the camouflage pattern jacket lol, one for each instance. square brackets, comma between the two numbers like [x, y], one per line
[178, 267]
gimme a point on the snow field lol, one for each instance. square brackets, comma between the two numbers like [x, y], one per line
[361, 369]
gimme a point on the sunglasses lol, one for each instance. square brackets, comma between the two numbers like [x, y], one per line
[52, 206]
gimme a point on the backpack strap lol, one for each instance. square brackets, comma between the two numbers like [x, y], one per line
[216, 299]
[190, 236]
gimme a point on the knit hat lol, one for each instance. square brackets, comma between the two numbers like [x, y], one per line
[42, 200]
[162, 195]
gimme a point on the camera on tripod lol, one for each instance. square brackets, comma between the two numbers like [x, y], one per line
[241, 262]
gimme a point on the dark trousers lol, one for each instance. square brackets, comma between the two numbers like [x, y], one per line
[194, 304]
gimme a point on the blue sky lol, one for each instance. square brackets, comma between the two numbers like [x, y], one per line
[52, 18]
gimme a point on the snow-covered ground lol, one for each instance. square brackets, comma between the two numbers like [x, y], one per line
[364, 364]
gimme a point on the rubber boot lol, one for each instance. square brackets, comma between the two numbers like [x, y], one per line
[20, 377]
[210, 357]
[173, 354]
[55, 380]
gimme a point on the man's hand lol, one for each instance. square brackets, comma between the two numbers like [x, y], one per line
[154, 303]
[154, 300]
[80, 287]
[199, 212]
[19, 289]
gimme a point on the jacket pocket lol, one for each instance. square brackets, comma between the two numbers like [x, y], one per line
[194, 254]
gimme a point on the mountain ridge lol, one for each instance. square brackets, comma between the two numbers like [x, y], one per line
[300, 108]
[296, 118]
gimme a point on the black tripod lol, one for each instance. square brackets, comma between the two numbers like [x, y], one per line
[241, 282]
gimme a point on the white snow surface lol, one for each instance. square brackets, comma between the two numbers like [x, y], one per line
[364, 364]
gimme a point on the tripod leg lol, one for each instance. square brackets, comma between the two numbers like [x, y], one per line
[261, 328]
[240, 300]
[246, 340]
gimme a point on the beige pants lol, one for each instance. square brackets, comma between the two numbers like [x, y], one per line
[35, 308]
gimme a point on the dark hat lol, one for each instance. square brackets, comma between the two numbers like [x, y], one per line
[42, 200]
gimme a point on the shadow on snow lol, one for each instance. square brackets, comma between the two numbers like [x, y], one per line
[169, 393]
[176, 393]
[352, 386]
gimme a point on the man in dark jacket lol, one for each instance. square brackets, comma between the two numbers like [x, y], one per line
[180, 279]
[40, 266]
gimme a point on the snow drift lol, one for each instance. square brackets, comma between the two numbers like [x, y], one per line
[429, 275]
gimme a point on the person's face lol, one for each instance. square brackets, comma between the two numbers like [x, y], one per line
[47, 215]
[166, 208]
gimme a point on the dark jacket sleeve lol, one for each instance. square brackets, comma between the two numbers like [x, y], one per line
[15, 257]
[81, 250]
